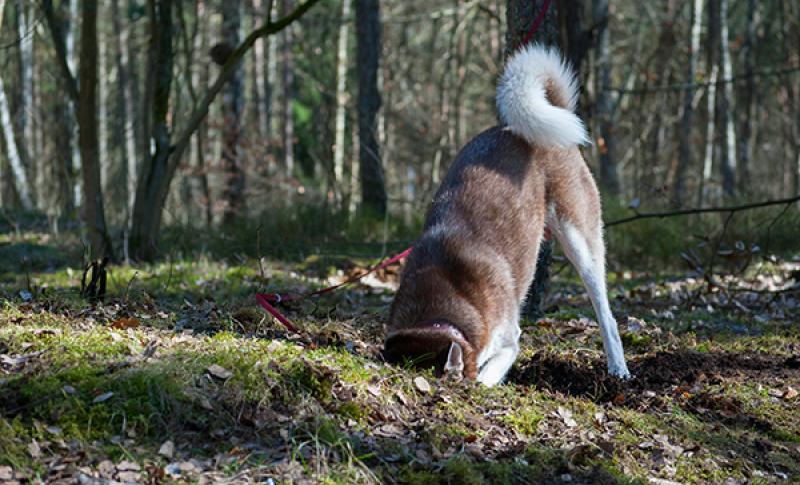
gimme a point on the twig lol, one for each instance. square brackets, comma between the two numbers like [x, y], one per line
[702, 210]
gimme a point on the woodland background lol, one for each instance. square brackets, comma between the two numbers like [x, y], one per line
[359, 106]
[163, 160]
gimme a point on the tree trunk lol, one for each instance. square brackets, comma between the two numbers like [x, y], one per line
[201, 137]
[685, 150]
[287, 117]
[102, 114]
[368, 33]
[341, 102]
[712, 66]
[19, 174]
[746, 132]
[72, 60]
[126, 137]
[609, 178]
[153, 184]
[23, 119]
[520, 15]
[233, 192]
[93, 212]
[724, 107]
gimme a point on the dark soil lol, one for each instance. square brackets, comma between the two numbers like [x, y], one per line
[660, 373]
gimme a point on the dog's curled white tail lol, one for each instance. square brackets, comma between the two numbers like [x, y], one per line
[536, 98]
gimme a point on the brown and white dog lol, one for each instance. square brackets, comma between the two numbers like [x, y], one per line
[458, 305]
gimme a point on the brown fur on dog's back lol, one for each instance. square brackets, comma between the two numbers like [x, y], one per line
[477, 254]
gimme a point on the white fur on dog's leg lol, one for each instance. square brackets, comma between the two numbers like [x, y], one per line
[589, 260]
[495, 369]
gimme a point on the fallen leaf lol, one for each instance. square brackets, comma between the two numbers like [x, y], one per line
[34, 449]
[790, 393]
[128, 466]
[422, 384]
[219, 372]
[167, 449]
[129, 477]
[401, 396]
[103, 397]
[566, 416]
[125, 323]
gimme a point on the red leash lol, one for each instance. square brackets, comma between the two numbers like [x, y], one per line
[537, 22]
[267, 300]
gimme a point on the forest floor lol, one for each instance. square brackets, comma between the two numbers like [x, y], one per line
[179, 377]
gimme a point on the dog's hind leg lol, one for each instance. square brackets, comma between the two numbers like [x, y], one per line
[584, 248]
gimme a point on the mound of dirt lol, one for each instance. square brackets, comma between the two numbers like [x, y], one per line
[659, 373]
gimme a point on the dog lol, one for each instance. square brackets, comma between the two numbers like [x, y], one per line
[458, 305]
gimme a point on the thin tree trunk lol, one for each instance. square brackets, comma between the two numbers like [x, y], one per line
[287, 116]
[368, 33]
[102, 89]
[19, 174]
[201, 137]
[72, 61]
[341, 101]
[271, 74]
[260, 71]
[23, 121]
[728, 152]
[151, 192]
[232, 101]
[746, 134]
[87, 133]
[609, 178]
[712, 67]
[685, 150]
[126, 138]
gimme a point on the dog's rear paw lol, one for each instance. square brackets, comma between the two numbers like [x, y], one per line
[621, 373]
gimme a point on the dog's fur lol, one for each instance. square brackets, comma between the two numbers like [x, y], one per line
[460, 295]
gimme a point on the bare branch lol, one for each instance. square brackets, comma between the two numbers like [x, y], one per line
[54, 26]
[703, 210]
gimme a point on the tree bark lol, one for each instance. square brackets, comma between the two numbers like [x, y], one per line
[93, 212]
[712, 66]
[746, 132]
[724, 107]
[368, 33]
[340, 129]
[685, 149]
[23, 119]
[151, 191]
[609, 178]
[287, 78]
[18, 171]
[232, 102]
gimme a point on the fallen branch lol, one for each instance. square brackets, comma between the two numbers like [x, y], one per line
[703, 210]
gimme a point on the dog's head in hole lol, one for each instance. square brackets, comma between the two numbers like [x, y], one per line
[458, 305]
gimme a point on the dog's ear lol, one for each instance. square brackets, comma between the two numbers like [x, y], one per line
[455, 360]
